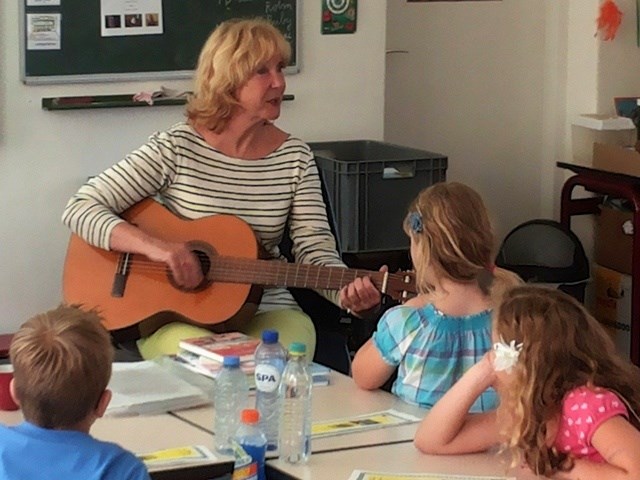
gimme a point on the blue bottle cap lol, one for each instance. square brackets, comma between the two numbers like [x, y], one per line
[297, 348]
[270, 336]
[231, 361]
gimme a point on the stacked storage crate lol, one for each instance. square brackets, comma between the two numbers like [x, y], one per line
[370, 185]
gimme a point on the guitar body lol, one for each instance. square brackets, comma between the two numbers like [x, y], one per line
[90, 272]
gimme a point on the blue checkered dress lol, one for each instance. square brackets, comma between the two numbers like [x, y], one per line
[432, 351]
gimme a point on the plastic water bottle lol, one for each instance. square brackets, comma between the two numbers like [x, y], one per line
[271, 358]
[254, 443]
[230, 398]
[294, 442]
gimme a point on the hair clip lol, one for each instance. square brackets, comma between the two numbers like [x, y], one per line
[415, 222]
[506, 355]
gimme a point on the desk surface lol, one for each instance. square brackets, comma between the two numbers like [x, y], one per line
[589, 170]
[139, 434]
[399, 458]
[341, 398]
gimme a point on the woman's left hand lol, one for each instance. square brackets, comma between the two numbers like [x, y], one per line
[361, 297]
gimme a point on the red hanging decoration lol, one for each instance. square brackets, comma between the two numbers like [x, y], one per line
[609, 19]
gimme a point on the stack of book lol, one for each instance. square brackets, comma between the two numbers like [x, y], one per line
[205, 355]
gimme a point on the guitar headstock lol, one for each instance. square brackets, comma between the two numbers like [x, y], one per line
[400, 286]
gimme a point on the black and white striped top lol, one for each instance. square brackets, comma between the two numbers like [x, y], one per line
[194, 180]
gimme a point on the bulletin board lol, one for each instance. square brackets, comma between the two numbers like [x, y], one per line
[63, 41]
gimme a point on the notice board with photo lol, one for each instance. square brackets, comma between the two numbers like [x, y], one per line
[83, 54]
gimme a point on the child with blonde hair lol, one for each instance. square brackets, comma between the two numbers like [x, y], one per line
[62, 365]
[435, 337]
[569, 403]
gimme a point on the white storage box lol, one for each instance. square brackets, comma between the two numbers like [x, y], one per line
[588, 129]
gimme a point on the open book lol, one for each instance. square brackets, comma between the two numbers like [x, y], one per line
[145, 388]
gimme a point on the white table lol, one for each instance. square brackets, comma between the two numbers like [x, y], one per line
[398, 458]
[341, 398]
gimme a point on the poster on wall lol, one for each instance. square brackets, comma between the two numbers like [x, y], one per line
[43, 31]
[130, 17]
[339, 16]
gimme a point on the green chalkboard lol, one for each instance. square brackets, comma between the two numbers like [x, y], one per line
[85, 55]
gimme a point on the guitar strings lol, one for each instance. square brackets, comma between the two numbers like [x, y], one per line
[235, 270]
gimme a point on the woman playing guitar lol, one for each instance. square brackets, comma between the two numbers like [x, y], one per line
[227, 158]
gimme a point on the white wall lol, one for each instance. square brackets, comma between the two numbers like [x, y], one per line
[471, 87]
[44, 155]
[496, 85]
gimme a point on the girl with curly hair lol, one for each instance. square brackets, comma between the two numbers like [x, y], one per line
[569, 402]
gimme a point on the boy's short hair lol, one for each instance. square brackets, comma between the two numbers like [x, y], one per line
[62, 365]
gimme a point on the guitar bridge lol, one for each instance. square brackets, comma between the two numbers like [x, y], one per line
[120, 277]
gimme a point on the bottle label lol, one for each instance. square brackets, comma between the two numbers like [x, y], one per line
[245, 466]
[267, 377]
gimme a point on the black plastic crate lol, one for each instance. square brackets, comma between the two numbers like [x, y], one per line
[370, 185]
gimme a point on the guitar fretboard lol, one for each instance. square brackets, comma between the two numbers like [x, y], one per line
[283, 274]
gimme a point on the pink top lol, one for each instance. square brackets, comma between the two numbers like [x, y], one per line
[583, 411]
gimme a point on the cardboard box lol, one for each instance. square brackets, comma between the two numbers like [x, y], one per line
[613, 246]
[616, 159]
[613, 306]
[588, 129]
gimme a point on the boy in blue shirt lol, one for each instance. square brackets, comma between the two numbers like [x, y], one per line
[62, 365]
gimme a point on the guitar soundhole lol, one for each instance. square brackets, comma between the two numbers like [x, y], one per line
[205, 265]
[205, 262]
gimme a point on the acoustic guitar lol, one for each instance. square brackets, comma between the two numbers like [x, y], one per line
[128, 288]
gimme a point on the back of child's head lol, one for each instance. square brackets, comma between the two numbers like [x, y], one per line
[62, 365]
[450, 226]
[563, 347]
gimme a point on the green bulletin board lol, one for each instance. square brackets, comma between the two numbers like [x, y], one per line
[84, 55]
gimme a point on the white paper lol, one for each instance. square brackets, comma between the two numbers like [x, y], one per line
[42, 3]
[130, 17]
[145, 388]
[43, 31]
[359, 423]
[369, 475]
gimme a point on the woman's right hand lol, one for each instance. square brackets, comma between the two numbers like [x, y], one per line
[182, 262]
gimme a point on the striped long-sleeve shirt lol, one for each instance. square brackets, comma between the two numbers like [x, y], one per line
[194, 180]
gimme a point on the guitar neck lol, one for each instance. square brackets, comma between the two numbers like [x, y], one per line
[282, 274]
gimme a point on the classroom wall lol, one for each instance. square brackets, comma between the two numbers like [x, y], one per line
[45, 156]
[470, 87]
[496, 85]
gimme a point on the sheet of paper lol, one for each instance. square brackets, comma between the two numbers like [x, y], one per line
[145, 388]
[367, 475]
[369, 421]
[130, 17]
[187, 455]
[43, 31]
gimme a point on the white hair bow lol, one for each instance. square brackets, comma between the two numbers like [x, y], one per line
[506, 355]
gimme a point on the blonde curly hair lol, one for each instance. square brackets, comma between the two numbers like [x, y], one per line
[563, 348]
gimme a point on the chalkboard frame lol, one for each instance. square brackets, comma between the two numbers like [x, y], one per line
[29, 59]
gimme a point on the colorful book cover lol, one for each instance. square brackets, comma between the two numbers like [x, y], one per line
[219, 345]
